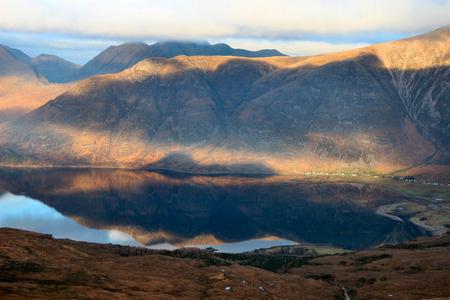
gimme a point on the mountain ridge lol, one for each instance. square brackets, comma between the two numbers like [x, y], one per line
[118, 58]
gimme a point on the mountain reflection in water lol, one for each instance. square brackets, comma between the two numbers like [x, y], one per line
[230, 213]
[25, 213]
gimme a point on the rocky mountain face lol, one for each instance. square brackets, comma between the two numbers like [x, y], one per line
[118, 58]
[379, 108]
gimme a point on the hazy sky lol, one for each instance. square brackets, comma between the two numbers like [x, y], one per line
[79, 29]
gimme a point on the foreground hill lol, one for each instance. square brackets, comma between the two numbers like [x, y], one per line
[23, 87]
[37, 266]
[118, 58]
[379, 108]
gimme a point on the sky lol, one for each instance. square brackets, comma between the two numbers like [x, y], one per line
[77, 30]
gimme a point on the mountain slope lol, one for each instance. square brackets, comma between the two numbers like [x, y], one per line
[360, 101]
[22, 87]
[378, 108]
[118, 58]
[419, 69]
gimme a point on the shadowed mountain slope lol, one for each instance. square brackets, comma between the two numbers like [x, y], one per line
[378, 108]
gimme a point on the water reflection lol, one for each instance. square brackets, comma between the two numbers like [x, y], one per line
[25, 213]
[226, 212]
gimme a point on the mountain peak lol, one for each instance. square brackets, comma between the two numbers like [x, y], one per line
[45, 56]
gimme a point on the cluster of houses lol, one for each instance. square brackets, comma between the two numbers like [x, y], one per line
[310, 174]
[410, 179]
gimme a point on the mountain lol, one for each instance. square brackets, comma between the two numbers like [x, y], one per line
[22, 86]
[118, 58]
[374, 109]
[54, 68]
[114, 59]
[14, 62]
[51, 68]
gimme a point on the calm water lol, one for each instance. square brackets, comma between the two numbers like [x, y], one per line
[231, 214]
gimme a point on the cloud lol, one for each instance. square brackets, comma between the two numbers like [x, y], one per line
[79, 29]
[221, 19]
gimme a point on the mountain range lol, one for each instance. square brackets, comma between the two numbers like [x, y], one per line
[37, 80]
[213, 109]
